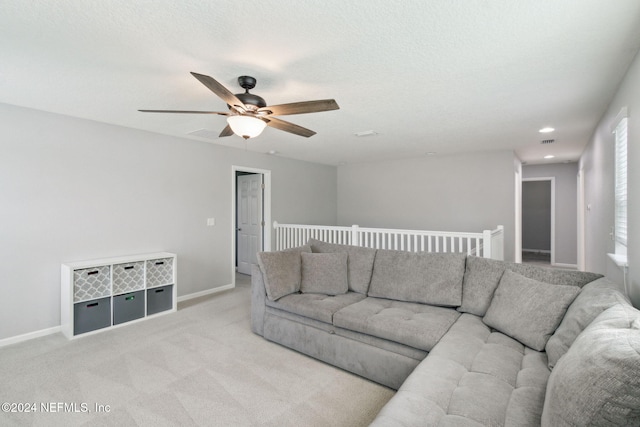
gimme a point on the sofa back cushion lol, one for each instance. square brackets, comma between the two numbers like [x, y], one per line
[428, 278]
[597, 382]
[594, 298]
[528, 310]
[359, 264]
[324, 273]
[482, 276]
[281, 271]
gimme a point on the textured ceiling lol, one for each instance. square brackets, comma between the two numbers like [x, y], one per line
[428, 76]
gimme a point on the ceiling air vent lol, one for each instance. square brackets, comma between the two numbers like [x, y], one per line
[366, 133]
[547, 141]
[204, 133]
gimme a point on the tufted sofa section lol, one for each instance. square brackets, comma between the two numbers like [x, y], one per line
[315, 306]
[472, 377]
[466, 341]
[416, 325]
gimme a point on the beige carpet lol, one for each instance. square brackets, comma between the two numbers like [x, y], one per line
[201, 366]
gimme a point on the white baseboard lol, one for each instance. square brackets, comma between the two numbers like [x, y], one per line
[29, 336]
[44, 332]
[207, 292]
[561, 265]
[538, 251]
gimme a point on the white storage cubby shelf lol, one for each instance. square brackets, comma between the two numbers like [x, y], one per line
[104, 293]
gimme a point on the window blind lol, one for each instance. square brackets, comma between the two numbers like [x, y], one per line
[621, 182]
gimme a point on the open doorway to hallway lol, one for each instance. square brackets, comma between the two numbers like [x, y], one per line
[538, 228]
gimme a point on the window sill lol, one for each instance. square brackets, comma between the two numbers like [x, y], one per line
[619, 260]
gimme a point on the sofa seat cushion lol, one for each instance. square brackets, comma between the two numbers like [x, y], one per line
[472, 377]
[424, 277]
[315, 306]
[417, 325]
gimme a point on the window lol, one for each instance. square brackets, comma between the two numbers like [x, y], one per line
[620, 219]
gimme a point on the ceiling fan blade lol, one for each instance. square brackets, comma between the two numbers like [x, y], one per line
[301, 107]
[219, 90]
[288, 127]
[185, 112]
[227, 131]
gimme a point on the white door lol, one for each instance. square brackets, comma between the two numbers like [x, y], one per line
[249, 224]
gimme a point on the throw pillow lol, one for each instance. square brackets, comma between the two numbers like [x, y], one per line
[594, 298]
[359, 264]
[527, 310]
[428, 278]
[324, 273]
[597, 382]
[482, 276]
[281, 272]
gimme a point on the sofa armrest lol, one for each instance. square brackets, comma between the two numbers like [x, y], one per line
[258, 300]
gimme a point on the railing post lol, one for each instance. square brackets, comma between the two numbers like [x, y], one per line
[355, 235]
[275, 227]
[486, 243]
[499, 255]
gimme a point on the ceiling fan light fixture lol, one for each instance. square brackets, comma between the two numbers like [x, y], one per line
[246, 126]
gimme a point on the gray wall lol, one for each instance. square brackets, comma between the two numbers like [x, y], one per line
[73, 189]
[566, 200]
[597, 164]
[536, 215]
[466, 192]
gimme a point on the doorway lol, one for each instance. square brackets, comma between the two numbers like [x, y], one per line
[249, 221]
[538, 221]
[251, 214]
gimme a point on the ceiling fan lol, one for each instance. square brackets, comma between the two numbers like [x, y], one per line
[249, 114]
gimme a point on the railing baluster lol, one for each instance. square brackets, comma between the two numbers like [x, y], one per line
[478, 244]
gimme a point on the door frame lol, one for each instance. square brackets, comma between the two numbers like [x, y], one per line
[518, 219]
[552, 181]
[581, 221]
[266, 212]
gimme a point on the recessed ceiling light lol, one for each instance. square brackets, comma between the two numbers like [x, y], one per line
[366, 133]
[549, 156]
[430, 153]
[272, 152]
[546, 130]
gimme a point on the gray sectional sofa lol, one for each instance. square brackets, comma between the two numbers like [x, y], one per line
[466, 341]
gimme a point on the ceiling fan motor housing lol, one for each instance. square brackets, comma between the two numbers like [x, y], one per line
[251, 99]
[248, 82]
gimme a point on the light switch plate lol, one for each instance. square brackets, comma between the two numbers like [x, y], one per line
[211, 221]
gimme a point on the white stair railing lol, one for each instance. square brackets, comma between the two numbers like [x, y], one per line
[487, 244]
